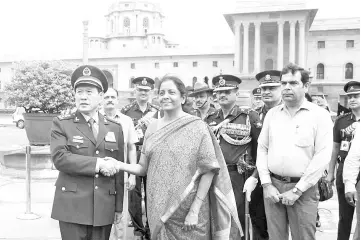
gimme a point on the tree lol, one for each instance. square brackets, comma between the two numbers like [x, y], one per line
[41, 85]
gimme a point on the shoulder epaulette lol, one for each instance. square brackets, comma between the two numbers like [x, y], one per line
[245, 109]
[66, 116]
[127, 107]
[343, 115]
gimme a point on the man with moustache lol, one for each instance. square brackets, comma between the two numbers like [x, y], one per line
[270, 91]
[110, 101]
[237, 131]
[89, 192]
[202, 96]
[137, 111]
[343, 132]
[294, 148]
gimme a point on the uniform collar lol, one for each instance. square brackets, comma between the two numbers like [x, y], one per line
[305, 105]
[95, 117]
[233, 112]
[148, 108]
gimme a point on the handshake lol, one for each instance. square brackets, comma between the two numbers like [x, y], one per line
[108, 166]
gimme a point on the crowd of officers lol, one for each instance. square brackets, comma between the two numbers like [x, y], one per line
[274, 162]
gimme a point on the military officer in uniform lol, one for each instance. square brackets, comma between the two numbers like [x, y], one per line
[203, 99]
[86, 202]
[237, 129]
[141, 112]
[257, 103]
[343, 131]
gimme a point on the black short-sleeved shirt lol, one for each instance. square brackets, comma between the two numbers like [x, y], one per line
[343, 130]
[231, 152]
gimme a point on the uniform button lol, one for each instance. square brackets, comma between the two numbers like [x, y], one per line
[115, 192]
[96, 187]
[96, 152]
[63, 189]
[77, 146]
[96, 175]
[111, 150]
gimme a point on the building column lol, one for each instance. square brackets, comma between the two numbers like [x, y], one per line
[107, 25]
[301, 55]
[245, 47]
[85, 42]
[257, 46]
[280, 46]
[292, 41]
[237, 47]
[117, 23]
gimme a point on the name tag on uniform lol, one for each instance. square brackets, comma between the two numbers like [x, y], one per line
[345, 146]
[110, 137]
[78, 139]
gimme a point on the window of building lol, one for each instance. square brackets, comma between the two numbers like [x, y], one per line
[320, 71]
[321, 44]
[156, 65]
[215, 64]
[233, 63]
[350, 43]
[146, 22]
[269, 39]
[131, 84]
[194, 81]
[158, 40]
[349, 71]
[132, 65]
[175, 64]
[195, 64]
[126, 22]
[126, 5]
[153, 39]
[124, 45]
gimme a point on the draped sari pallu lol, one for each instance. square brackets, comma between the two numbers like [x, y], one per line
[178, 155]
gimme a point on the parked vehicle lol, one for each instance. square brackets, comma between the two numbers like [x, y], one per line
[18, 117]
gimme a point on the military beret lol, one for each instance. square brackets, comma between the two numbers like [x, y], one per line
[256, 92]
[225, 82]
[269, 78]
[144, 83]
[200, 87]
[91, 75]
[352, 87]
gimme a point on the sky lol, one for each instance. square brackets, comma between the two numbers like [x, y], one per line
[39, 28]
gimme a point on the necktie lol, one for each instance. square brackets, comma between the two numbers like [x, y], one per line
[93, 128]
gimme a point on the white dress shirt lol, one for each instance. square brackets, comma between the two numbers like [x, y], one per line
[351, 167]
[298, 146]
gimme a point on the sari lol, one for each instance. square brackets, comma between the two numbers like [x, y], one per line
[178, 155]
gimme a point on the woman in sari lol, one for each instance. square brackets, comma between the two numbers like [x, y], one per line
[189, 192]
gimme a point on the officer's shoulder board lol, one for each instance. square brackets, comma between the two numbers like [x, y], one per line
[127, 107]
[245, 109]
[66, 116]
[343, 116]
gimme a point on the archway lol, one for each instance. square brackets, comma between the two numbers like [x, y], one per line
[268, 65]
[110, 78]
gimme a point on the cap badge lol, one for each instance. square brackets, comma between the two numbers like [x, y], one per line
[222, 82]
[267, 77]
[351, 88]
[86, 72]
[144, 82]
[258, 90]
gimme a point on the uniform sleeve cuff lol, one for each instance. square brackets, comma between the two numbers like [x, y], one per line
[97, 166]
[265, 179]
[302, 185]
[349, 187]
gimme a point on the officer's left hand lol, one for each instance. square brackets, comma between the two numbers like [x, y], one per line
[289, 197]
[191, 221]
[131, 182]
[249, 186]
[118, 217]
[351, 198]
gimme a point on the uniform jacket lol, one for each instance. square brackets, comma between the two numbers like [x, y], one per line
[83, 196]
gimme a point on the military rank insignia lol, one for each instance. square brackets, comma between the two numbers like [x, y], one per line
[222, 82]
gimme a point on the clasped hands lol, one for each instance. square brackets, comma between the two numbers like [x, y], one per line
[271, 193]
[109, 166]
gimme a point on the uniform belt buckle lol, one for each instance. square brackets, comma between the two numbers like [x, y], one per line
[286, 179]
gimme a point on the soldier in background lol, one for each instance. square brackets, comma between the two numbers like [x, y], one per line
[202, 97]
[343, 131]
[141, 112]
[257, 103]
[188, 106]
[237, 130]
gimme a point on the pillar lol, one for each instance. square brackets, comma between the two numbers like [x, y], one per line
[280, 45]
[301, 55]
[245, 46]
[237, 47]
[292, 41]
[257, 46]
[85, 42]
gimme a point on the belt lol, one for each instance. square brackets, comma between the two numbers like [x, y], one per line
[286, 179]
[232, 168]
[138, 147]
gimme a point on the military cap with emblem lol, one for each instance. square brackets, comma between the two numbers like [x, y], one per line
[225, 82]
[269, 78]
[91, 75]
[352, 87]
[256, 92]
[200, 87]
[144, 83]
